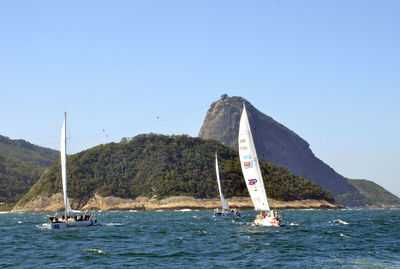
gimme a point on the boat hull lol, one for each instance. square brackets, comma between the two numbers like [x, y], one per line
[72, 224]
[267, 221]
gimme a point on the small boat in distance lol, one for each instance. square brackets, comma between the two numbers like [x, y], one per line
[252, 175]
[68, 220]
[225, 211]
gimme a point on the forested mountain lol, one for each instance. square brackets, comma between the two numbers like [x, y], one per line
[27, 152]
[16, 178]
[374, 194]
[162, 166]
[279, 145]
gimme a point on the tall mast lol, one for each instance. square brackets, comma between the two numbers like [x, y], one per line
[64, 162]
[223, 202]
[65, 145]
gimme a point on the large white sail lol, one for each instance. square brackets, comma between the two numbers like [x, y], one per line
[63, 151]
[250, 166]
[223, 202]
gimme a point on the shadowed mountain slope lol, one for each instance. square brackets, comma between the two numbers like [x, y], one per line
[16, 178]
[27, 152]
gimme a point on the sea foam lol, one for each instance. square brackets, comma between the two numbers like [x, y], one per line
[340, 221]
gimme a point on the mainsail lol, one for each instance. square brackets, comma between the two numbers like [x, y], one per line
[63, 150]
[223, 202]
[250, 166]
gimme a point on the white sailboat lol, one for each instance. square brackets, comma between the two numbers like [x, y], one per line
[67, 221]
[252, 174]
[226, 211]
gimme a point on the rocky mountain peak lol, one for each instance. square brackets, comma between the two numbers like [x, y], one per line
[274, 142]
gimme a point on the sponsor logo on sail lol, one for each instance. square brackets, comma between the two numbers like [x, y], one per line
[252, 181]
[248, 165]
[247, 157]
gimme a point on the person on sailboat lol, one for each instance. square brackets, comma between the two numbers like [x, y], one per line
[277, 216]
[236, 210]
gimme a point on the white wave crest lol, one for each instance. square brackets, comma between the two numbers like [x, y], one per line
[113, 224]
[340, 221]
[44, 226]
[95, 250]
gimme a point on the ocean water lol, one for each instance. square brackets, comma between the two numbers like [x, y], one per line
[195, 239]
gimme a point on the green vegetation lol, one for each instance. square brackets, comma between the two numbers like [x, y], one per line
[162, 166]
[372, 193]
[27, 152]
[16, 178]
[352, 199]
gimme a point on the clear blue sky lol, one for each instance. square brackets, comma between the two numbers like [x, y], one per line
[328, 70]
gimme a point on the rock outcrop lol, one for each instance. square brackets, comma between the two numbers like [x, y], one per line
[55, 203]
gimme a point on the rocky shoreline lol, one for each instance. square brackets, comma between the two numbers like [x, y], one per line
[55, 203]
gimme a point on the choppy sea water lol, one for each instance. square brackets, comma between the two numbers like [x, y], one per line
[195, 239]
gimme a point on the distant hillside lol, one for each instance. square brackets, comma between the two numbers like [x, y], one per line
[27, 152]
[163, 166]
[374, 194]
[16, 178]
[276, 144]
